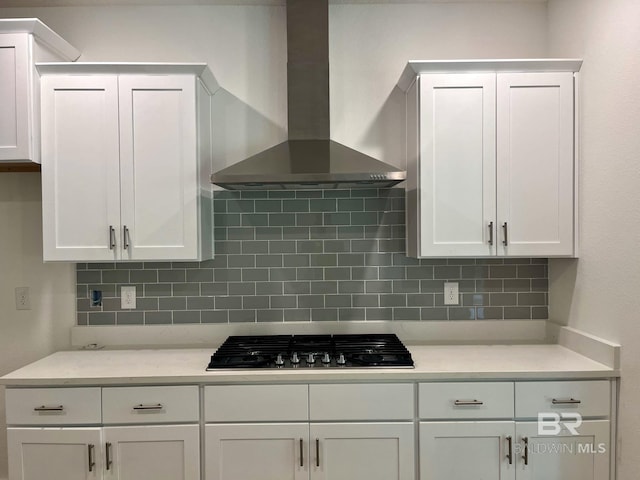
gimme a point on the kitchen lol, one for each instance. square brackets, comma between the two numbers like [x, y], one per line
[241, 43]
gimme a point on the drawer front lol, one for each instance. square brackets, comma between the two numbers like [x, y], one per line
[256, 403]
[589, 398]
[361, 402]
[150, 404]
[465, 400]
[53, 406]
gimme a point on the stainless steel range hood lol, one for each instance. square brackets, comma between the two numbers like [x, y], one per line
[309, 159]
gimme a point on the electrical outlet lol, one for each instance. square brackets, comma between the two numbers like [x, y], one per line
[451, 293]
[23, 302]
[128, 297]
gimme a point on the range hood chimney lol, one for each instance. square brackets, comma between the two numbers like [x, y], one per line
[309, 159]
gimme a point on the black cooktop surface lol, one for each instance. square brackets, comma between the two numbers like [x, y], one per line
[312, 351]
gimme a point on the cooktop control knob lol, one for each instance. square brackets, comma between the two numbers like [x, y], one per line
[279, 360]
[295, 359]
[326, 359]
[341, 360]
[311, 359]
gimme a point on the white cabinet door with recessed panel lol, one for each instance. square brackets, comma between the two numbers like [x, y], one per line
[55, 453]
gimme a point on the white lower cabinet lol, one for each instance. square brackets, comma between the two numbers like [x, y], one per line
[55, 453]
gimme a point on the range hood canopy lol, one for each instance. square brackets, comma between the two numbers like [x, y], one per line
[309, 159]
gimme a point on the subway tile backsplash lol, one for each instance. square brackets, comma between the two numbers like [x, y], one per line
[312, 255]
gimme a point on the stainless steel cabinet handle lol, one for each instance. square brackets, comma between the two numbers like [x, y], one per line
[565, 401]
[92, 462]
[58, 408]
[127, 241]
[157, 406]
[112, 237]
[510, 454]
[317, 452]
[301, 453]
[505, 229]
[490, 233]
[526, 450]
[107, 455]
[467, 403]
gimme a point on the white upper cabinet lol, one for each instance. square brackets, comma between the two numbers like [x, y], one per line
[490, 158]
[126, 162]
[23, 42]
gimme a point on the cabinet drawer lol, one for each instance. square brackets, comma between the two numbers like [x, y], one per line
[590, 398]
[361, 402]
[465, 400]
[150, 404]
[256, 403]
[53, 406]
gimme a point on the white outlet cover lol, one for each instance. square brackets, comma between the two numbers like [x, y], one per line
[128, 297]
[23, 302]
[451, 293]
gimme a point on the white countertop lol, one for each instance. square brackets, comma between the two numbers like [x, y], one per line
[187, 366]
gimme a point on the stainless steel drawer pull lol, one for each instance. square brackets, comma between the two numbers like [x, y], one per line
[565, 401]
[317, 452]
[107, 455]
[92, 461]
[505, 228]
[58, 408]
[147, 408]
[127, 240]
[526, 450]
[510, 452]
[301, 453]
[467, 403]
[490, 233]
[112, 237]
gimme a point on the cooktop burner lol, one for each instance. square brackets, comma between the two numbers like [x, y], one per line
[312, 351]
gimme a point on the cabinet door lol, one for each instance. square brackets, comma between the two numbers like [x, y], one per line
[362, 451]
[80, 168]
[465, 450]
[535, 164]
[457, 165]
[257, 451]
[564, 456]
[54, 453]
[159, 174]
[14, 97]
[152, 452]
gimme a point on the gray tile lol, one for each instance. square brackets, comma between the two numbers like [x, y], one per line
[532, 271]
[431, 286]
[391, 245]
[324, 260]
[283, 301]
[81, 266]
[489, 313]
[391, 218]
[295, 206]
[406, 286]
[101, 266]
[172, 303]
[282, 274]
[309, 246]
[459, 313]
[200, 275]
[364, 218]
[319, 233]
[269, 288]
[228, 303]
[534, 299]
[517, 285]
[364, 273]
[335, 246]
[351, 286]
[420, 300]
[474, 299]
[419, 272]
[157, 290]
[147, 304]
[240, 261]
[503, 299]
[402, 259]
[489, 285]
[398, 204]
[186, 317]
[517, 261]
[297, 315]
[227, 275]
[185, 265]
[350, 205]
[227, 247]
[540, 313]
[308, 219]
[461, 261]
[254, 193]
[255, 219]
[449, 272]
[297, 288]
[255, 274]
[89, 276]
[351, 314]
[219, 233]
[310, 274]
[240, 316]
[200, 303]
[311, 301]
[130, 266]
[226, 194]
[398, 231]
[502, 271]
[82, 291]
[101, 318]
[226, 219]
[283, 219]
[322, 205]
[350, 232]
[324, 287]
[364, 300]
[268, 233]
[364, 192]
[337, 218]
[109, 305]
[255, 302]
[301, 260]
[377, 259]
[240, 206]
[393, 300]
[309, 193]
[269, 206]
[130, 318]
[214, 316]
[282, 194]
[115, 276]
[272, 315]
[433, 261]
[377, 204]
[220, 206]
[83, 305]
[378, 286]
[282, 246]
[343, 193]
[324, 314]
[268, 260]
[377, 231]
[475, 271]
[517, 313]
[489, 261]
[337, 273]
[539, 285]
[295, 233]
[373, 314]
[216, 288]
[396, 273]
[107, 290]
[242, 288]
[157, 318]
[186, 289]
[406, 314]
[82, 319]
[255, 246]
[240, 233]
[434, 313]
[351, 259]
[172, 276]
[365, 246]
[337, 301]
[540, 261]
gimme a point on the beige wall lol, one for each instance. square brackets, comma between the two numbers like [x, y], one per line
[28, 335]
[599, 292]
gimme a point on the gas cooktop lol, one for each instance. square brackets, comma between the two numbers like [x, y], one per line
[312, 351]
